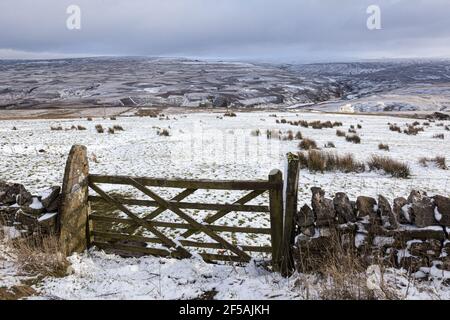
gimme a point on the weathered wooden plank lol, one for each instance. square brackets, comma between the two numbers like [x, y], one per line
[173, 225]
[164, 253]
[226, 208]
[168, 242]
[185, 183]
[276, 218]
[190, 220]
[134, 249]
[293, 168]
[186, 243]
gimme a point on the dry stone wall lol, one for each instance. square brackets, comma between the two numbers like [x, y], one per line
[408, 233]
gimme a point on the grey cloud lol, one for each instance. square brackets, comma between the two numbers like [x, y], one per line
[291, 29]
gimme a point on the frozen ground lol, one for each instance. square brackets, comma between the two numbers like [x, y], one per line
[205, 146]
[96, 275]
[210, 147]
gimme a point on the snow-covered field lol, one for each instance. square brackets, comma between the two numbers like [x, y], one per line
[204, 146]
[208, 146]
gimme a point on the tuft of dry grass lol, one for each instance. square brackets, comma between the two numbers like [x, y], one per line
[81, 128]
[99, 128]
[353, 138]
[303, 123]
[340, 268]
[273, 134]
[298, 136]
[439, 161]
[118, 128]
[383, 146]
[330, 144]
[256, 133]
[230, 114]
[307, 144]
[413, 130]
[340, 133]
[111, 131]
[113, 118]
[147, 113]
[393, 167]
[163, 132]
[320, 161]
[439, 136]
[38, 255]
[395, 128]
[57, 128]
[289, 136]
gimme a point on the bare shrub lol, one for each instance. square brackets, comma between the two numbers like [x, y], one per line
[99, 128]
[298, 136]
[337, 124]
[307, 144]
[283, 121]
[447, 128]
[340, 133]
[57, 128]
[89, 119]
[81, 128]
[353, 138]
[390, 166]
[111, 131]
[439, 136]
[113, 118]
[351, 130]
[359, 126]
[383, 146]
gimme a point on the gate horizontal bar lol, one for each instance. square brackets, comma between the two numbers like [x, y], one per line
[186, 183]
[100, 218]
[164, 253]
[186, 243]
[187, 205]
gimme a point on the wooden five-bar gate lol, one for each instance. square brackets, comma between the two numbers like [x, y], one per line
[82, 227]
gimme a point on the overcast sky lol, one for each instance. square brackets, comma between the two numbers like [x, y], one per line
[302, 30]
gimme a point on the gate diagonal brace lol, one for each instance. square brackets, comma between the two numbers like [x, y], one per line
[191, 221]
